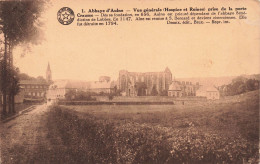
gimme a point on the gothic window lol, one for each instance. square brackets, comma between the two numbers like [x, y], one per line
[123, 82]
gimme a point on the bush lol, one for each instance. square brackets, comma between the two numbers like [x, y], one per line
[79, 96]
[239, 85]
[110, 96]
[90, 140]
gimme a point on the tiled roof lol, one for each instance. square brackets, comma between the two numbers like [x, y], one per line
[175, 87]
[30, 82]
[82, 84]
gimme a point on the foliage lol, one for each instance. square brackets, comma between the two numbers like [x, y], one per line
[19, 24]
[20, 21]
[110, 96]
[164, 93]
[154, 91]
[12, 80]
[117, 91]
[239, 85]
[91, 140]
[24, 76]
[140, 88]
[72, 94]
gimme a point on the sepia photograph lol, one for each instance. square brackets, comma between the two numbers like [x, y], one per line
[129, 82]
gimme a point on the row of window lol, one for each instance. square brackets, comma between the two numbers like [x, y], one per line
[213, 94]
[176, 94]
[35, 86]
[40, 94]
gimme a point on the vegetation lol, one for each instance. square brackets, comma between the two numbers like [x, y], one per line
[239, 85]
[18, 108]
[79, 95]
[19, 25]
[141, 88]
[154, 91]
[110, 97]
[11, 87]
[164, 93]
[24, 76]
[223, 131]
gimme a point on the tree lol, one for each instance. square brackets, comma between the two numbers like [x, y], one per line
[24, 76]
[250, 84]
[41, 79]
[164, 93]
[19, 25]
[13, 87]
[71, 94]
[110, 96]
[141, 88]
[239, 85]
[154, 91]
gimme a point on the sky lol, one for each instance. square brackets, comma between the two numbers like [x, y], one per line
[87, 52]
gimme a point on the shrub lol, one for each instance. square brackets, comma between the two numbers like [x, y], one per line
[90, 140]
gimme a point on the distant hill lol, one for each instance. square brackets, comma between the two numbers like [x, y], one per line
[253, 76]
[217, 81]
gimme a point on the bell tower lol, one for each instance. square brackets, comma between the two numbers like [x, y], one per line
[48, 74]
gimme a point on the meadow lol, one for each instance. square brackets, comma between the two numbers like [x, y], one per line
[220, 131]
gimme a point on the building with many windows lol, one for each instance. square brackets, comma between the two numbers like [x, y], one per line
[32, 89]
[59, 88]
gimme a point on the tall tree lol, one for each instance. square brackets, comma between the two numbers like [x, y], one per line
[19, 24]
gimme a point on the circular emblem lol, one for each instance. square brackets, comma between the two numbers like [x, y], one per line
[65, 16]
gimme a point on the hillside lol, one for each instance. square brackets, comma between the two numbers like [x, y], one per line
[217, 81]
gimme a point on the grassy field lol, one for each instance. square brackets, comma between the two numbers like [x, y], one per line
[225, 130]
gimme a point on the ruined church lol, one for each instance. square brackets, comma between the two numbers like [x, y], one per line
[144, 83]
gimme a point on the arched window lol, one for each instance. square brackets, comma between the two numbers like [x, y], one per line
[123, 82]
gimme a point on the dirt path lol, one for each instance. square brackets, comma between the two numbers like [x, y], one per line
[23, 137]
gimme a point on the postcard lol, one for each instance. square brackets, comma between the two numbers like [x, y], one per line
[161, 81]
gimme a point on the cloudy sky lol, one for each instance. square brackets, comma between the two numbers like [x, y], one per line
[188, 50]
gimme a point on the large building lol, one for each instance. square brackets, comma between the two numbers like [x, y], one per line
[32, 89]
[59, 88]
[35, 89]
[144, 83]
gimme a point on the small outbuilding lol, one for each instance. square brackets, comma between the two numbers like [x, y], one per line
[175, 90]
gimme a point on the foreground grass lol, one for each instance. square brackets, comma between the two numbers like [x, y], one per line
[210, 132]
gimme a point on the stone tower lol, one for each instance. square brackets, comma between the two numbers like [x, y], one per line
[48, 74]
[168, 78]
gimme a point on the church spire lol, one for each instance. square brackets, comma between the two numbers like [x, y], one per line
[48, 68]
[48, 74]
